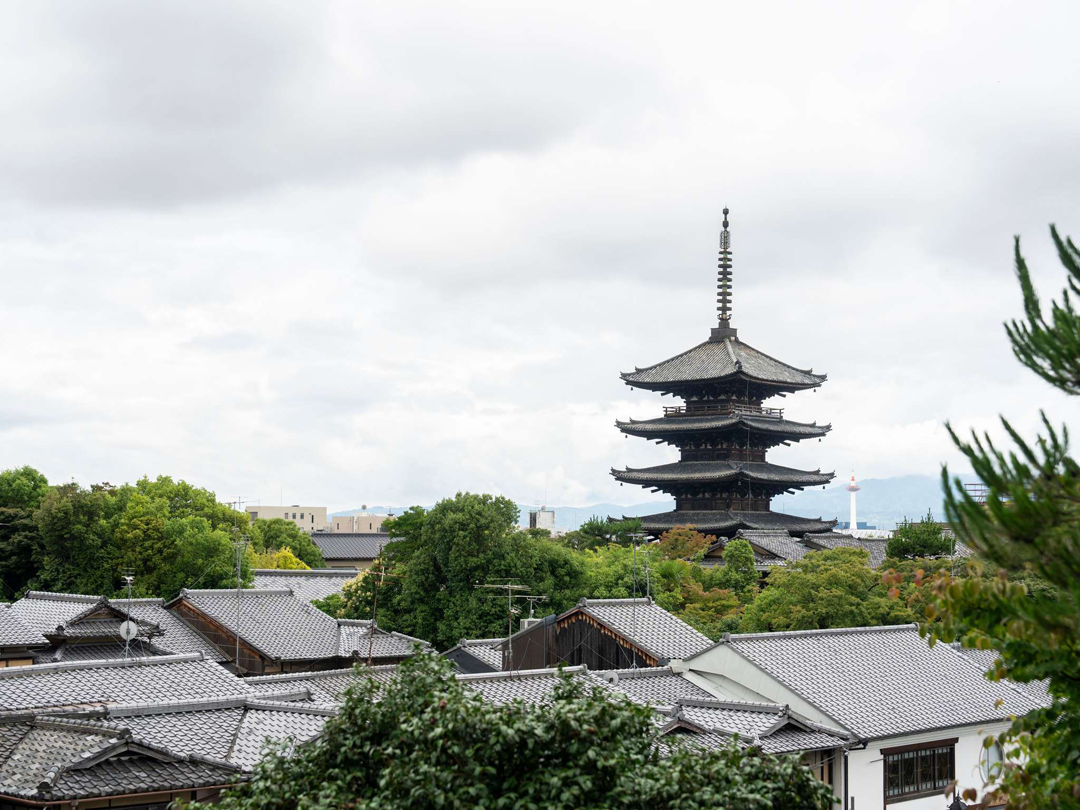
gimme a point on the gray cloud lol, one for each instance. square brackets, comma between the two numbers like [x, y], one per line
[382, 253]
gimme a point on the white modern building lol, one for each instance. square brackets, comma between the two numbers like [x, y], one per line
[918, 715]
[542, 518]
[308, 518]
[362, 523]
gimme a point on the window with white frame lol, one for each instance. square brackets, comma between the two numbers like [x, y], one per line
[992, 761]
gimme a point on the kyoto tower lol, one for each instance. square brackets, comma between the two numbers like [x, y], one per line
[852, 487]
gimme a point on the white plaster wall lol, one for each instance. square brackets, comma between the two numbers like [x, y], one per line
[866, 773]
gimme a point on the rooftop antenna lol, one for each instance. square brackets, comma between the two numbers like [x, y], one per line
[128, 628]
[510, 585]
[723, 285]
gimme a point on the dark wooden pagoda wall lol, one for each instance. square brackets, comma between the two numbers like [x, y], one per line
[739, 503]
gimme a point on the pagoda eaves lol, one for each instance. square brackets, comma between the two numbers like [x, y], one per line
[722, 481]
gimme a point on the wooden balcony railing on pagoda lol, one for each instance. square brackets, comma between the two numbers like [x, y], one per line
[723, 409]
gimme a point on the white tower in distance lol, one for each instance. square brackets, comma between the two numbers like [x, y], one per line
[852, 487]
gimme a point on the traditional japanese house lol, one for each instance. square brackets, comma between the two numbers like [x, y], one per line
[604, 634]
[19, 642]
[722, 481]
[279, 632]
[87, 628]
[471, 655]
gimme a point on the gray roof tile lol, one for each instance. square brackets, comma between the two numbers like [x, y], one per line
[350, 546]
[647, 625]
[44, 611]
[668, 425]
[317, 583]
[328, 685]
[141, 679]
[881, 681]
[717, 360]
[484, 649]
[728, 521]
[275, 622]
[658, 686]
[531, 686]
[717, 471]
[14, 632]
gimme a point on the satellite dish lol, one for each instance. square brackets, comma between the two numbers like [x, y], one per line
[128, 630]
[612, 678]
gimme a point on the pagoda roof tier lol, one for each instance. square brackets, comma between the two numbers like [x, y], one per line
[719, 361]
[727, 522]
[691, 425]
[707, 472]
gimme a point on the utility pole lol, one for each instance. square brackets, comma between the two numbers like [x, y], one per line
[239, 543]
[635, 538]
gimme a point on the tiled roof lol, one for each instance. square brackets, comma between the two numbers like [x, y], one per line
[986, 661]
[14, 632]
[350, 546]
[763, 561]
[728, 521]
[58, 759]
[317, 583]
[658, 686]
[770, 727]
[274, 622]
[122, 775]
[97, 651]
[648, 626]
[776, 542]
[532, 686]
[881, 681]
[173, 677]
[716, 471]
[355, 636]
[44, 611]
[231, 729]
[327, 686]
[668, 425]
[484, 649]
[721, 359]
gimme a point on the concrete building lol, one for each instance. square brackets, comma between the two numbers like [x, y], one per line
[363, 523]
[308, 518]
[542, 518]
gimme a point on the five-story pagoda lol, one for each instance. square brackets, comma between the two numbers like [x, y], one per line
[722, 482]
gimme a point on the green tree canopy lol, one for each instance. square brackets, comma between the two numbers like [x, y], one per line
[739, 572]
[276, 534]
[423, 741]
[22, 488]
[426, 580]
[684, 543]
[21, 492]
[599, 531]
[171, 534]
[1029, 524]
[825, 589]
[920, 540]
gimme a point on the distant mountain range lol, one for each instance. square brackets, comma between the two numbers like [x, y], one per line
[882, 502]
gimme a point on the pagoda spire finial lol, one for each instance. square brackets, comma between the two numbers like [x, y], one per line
[723, 286]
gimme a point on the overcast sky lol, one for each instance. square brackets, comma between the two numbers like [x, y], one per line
[380, 252]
